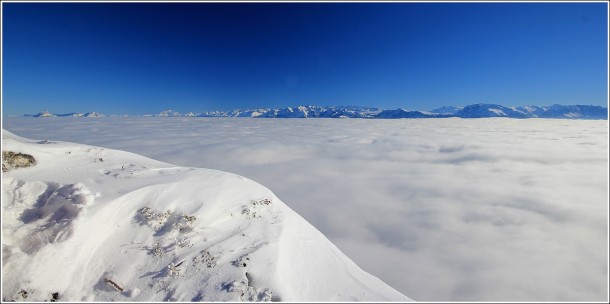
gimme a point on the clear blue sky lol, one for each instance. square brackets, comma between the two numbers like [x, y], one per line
[135, 58]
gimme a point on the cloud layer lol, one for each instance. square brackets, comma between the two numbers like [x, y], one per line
[443, 209]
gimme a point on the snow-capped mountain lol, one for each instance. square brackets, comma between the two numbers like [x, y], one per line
[42, 114]
[480, 110]
[169, 113]
[489, 110]
[446, 110]
[554, 111]
[299, 112]
[470, 111]
[85, 223]
[240, 113]
[92, 114]
[570, 111]
[402, 113]
[532, 111]
[73, 114]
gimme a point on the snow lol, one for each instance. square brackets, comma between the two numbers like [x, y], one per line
[93, 114]
[88, 223]
[169, 113]
[498, 112]
[44, 114]
[490, 209]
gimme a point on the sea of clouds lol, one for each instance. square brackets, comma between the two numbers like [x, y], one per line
[440, 209]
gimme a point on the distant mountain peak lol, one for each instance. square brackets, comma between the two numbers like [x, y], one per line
[446, 110]
[44, 114]
[479, 110]
[169, 113]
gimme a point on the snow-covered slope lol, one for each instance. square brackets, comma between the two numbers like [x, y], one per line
[87, 223]
[574, 111]
[489, 110]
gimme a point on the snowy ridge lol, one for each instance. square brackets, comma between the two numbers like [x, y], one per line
[93, 224]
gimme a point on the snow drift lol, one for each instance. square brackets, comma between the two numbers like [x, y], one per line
[92, 224]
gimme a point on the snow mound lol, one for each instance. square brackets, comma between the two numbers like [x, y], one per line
[94, 224]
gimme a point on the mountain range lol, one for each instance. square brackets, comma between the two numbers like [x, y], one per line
[480, 110]
[73, 114]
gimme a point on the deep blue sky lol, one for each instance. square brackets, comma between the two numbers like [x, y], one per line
[128, 58]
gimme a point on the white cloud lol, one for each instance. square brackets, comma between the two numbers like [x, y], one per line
[441, 209]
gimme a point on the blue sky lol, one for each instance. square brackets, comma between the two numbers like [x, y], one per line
[136, 58]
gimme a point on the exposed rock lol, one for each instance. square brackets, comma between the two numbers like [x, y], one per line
[12, 160]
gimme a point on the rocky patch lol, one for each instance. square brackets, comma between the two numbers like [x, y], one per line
[12, 160]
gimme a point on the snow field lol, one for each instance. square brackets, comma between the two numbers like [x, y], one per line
[93, 224]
